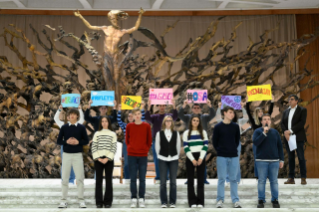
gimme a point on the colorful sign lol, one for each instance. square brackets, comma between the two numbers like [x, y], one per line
[70, 100]
[259, 93]
[197, 96]
[102, 98]
[130, 102]
[232, 101]
[161, 96]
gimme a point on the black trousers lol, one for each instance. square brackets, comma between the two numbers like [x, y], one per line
[190, 168]
[108, 193]
[301, 157]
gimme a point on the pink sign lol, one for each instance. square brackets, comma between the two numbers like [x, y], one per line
[161, 96]
[197, 96]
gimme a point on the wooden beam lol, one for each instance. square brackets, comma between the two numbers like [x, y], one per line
[165, 13]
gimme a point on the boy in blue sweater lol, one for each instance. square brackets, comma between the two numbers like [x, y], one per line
[73, 136]
[226, 137]
[269, 158]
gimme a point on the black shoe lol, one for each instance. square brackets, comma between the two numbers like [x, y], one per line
[275, 204]
[260, 204]
[186, 182]
[99, 206]
[107, 206]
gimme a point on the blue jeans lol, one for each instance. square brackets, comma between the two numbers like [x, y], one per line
[72, 175]
[157, 170]
[126, 166]
[137, 164]
[269, 169]
[227, 165]
[255, 166]
[238, 177]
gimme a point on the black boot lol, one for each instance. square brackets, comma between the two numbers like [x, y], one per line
[99, 206]
[260, 204]
[275, 204]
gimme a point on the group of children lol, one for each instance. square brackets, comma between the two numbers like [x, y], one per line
[166, 145]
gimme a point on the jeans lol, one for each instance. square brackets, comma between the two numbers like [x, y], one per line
[190, 168]
[172, 166]
[137, 164]
[269, 169]
[301, 157]
[157, 170]
[126, 166]
[227, 165]
[72, 175]
[238, 176]
[255, 166]
[108, 193]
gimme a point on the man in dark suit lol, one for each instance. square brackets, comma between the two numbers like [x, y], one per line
[293, 123]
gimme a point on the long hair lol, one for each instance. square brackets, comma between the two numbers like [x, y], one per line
[164, 120]
[108, 120]
[199, 127]
[255, 115]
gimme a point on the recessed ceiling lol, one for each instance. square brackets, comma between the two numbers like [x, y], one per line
[157, 4]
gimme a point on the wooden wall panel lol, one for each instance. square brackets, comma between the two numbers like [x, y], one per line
[306, 24]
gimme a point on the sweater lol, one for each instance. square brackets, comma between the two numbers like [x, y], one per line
[61, 123]
[138, 139]
[123, 124]
[95, 120]
[205, 119]
[226, 139]
[252, 120]
[269, 146]
[168, 134]
[157, 119]
[195, 144]
[104, 144]
[77, 131]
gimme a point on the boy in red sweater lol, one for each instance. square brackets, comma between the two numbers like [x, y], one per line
[138, 141]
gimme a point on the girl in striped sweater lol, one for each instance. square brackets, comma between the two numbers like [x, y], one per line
[103, 151]
[195, 146]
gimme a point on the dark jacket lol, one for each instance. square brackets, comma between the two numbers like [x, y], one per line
[95, 120]
[297, 124]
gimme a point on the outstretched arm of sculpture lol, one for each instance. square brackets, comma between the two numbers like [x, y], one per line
[77, 14]
[137, 24]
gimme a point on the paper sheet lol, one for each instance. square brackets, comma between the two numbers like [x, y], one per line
[292, 143]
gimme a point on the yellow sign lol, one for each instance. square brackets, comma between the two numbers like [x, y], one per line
[259, 93]
[131, 102]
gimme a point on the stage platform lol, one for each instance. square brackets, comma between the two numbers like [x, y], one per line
[40, 195]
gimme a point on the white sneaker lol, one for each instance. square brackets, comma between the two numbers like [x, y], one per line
[172, 205]
[141, 203]
[194, 206]
[82, 205]
[164, 206]
[219, 204]
[227, 184]
[127, 181]
[134, 203]
[237, 205]
[200, 206]
[157, 182]
[63, 205]
[71, 184]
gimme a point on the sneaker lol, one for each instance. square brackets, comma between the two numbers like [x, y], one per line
[200, 206]
[157, 182]
[206, 182]
[164, 205]
[82, 205]
[237, 205]
[186, 182]
[71, 184]
[133, 203]
[107, 206]
[194, 206]
[260, 204]
[275, 204]
[141, 203]
[99, 206]
[127, 181]
[172, 205]
[227, 184]
[63, 205]
[219, 204]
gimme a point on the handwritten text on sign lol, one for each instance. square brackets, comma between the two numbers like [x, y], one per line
[259, 93]
[102, 98]
[161, 96]
[70, 100]
[232, 101]
[131, 102]
[197, 96]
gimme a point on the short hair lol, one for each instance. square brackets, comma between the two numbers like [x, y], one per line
[135, 110]
[294, 96]
[164, 120]
[227, 108]
[74, 111]
[265, 115]
[196, 104]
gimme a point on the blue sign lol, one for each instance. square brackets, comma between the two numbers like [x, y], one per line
[102, 98]
[70, 100]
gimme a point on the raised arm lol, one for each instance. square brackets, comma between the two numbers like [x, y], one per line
[81, 118]
[137, 24]
[218, 113]
[57, 119]
[212, 112]
[87, 24]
